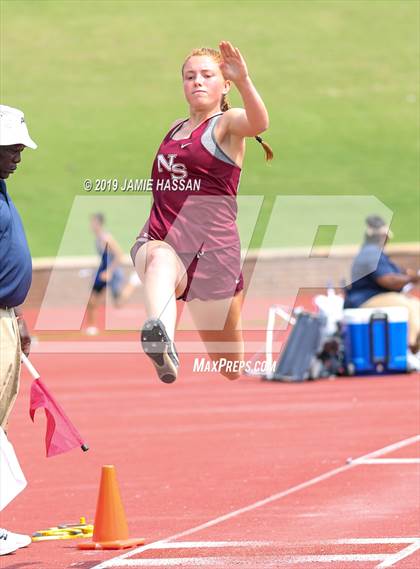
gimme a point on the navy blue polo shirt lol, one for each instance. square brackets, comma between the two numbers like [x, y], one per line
[15, 257]
[370, 263]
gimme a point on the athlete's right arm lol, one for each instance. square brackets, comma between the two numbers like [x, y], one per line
[253, 118]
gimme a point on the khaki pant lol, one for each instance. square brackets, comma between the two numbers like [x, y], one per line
[9, 363]
[399, 299]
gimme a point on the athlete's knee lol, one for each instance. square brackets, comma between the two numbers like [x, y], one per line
[160, 257]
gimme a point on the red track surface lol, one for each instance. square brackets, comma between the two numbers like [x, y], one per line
[204, 447]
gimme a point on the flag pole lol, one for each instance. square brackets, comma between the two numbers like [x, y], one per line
[30, 367]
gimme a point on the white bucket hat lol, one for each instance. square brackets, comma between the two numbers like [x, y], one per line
[13, 129]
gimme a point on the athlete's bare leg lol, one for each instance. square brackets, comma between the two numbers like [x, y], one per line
[164, 278]
[95, 299]
[225, 343]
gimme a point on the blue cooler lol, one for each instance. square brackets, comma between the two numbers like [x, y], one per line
[376, 340]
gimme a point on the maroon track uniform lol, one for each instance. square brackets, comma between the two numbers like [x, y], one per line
[194, 210]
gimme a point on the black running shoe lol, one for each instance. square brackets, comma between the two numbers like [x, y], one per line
[160, 349]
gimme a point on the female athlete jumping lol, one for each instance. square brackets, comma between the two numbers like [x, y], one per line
[189, 248]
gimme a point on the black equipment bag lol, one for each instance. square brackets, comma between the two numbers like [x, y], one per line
[302, 346]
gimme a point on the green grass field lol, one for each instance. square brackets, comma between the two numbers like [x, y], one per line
[99, 82]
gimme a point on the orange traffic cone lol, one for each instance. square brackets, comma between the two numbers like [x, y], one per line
[110, 530]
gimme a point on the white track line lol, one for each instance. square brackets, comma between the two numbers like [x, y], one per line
[295, 559]
[391, 448]
[175, 562]
[373, 541]
[393, 559]
[216, 544]
[265, 562]
[221, 544]
[389, 461]
[259, 503]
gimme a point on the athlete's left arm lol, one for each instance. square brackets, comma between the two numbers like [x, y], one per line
[253, 118]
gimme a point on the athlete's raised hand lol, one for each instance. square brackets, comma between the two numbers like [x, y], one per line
[253, 118]
[233, 65]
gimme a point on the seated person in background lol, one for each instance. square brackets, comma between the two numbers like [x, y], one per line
[378, 282]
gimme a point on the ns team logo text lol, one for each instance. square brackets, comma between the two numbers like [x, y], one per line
[179, 175]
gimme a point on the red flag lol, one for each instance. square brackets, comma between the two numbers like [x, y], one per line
[61, 435]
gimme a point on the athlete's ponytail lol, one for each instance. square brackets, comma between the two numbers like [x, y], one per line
[224, 103]
[269, 155]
